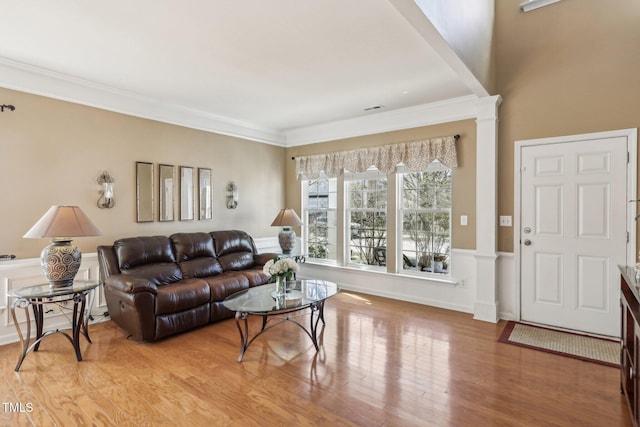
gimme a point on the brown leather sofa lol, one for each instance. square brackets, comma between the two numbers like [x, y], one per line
[159, 286]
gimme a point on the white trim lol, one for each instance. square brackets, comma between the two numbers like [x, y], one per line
[453, 293]
[486, 302]
[536, 4]
[40, 81]
[631, 135]
[422, 115]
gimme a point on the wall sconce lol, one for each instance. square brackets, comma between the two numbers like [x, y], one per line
[106, 194]
[232, 198]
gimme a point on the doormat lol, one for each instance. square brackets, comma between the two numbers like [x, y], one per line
[583, 347]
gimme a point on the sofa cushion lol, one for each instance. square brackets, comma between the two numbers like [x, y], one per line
[256, 276]
[149, 256]
[195, 254]
[181, 296]
[155, 274]
[135, 251]
[225, 284]
[235, 249]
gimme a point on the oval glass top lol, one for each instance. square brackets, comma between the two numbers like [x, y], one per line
[262, 299]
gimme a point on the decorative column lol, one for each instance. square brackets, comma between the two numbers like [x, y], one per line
[486, 304]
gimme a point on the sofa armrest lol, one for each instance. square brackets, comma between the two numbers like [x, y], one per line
[130, 284]
[261, 259]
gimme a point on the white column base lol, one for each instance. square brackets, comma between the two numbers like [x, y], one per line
[486, 311]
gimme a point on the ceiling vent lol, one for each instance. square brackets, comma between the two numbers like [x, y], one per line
[375, 107]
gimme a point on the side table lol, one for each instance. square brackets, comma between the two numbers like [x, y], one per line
[37, 297]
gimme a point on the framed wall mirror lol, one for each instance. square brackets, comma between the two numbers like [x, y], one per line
[205, 204]
[186, 193]
[144, 192]
[166, 212]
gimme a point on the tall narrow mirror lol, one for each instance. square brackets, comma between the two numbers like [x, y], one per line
[165, 196]
[186, 193]
[144, 192]
[205, 193]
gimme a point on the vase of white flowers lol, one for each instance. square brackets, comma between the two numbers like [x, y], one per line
[281, 269]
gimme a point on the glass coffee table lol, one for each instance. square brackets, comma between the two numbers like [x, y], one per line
[261, 301]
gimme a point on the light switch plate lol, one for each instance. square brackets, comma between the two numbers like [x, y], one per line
[505, 221]
[463, 220]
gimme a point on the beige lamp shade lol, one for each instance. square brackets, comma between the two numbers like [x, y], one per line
[61, 260]
[61, 222]
[287, 218]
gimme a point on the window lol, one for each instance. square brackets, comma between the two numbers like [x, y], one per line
[425, 210]
[320, 211]
[366, 216]
[421, 229]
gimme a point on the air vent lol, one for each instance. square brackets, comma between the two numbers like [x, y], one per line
[375, 107]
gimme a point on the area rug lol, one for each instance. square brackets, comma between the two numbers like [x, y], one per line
[583, 347]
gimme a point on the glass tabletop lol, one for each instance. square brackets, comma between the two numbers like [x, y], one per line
[47, 291]
[300, 294]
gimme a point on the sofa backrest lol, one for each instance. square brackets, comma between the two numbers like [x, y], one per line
[235, 249]
[195, 254]
[151, 257]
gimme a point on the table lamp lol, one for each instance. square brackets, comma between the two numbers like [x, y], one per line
[287, 218]
[61, 260]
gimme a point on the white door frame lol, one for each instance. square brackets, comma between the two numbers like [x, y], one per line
[632, 141]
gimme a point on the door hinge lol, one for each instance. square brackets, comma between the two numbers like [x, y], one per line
[627, 237]
[628, 157]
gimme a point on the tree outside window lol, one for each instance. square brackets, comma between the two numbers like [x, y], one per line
[426, 220]
[367, 217]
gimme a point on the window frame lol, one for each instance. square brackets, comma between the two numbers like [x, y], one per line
[401, 172]
[369, 175]
[306, 223]
[394, 226]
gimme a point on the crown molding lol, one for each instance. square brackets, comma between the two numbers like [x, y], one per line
[40, 81]
[422, 115]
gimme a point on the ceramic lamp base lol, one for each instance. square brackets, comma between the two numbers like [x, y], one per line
[60, 262]
[287, 240]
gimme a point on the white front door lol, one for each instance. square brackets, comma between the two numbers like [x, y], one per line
[573, 233]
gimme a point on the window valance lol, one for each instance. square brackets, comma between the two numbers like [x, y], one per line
[414, 155]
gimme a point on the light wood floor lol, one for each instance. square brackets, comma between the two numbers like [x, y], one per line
[382, 363]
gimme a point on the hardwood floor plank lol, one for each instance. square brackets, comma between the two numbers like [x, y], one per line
[382, 363]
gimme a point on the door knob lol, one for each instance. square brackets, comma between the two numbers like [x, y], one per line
[527, 242]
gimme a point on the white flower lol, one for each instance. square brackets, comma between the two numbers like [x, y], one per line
[280, 267]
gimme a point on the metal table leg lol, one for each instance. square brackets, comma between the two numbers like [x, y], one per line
[24, 304]
[244, 335]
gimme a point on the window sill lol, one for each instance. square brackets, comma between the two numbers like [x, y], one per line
[438, 279]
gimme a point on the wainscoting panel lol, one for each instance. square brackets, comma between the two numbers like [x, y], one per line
[457, 293]
[15, 274]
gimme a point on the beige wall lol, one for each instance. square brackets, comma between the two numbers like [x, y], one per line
[51, 152]
[464, 185]
[569, 68]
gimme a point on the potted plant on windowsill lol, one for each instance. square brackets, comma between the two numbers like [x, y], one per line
[438, 262]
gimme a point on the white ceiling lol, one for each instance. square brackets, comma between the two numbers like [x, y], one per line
[256, 69]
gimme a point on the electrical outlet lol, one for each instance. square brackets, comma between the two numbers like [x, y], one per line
[505, 221]
[463, 283]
